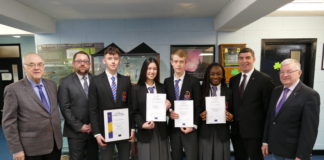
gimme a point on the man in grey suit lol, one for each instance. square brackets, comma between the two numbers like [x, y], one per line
[31, 120]
[293, 117]
[73, 100]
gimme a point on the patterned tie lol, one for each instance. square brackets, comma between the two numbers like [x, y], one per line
[176, 89]
[214, 90]
[241, 87]
[282, 100]
[151, 89]
[85, 85]
[43, 99]
[114, 88]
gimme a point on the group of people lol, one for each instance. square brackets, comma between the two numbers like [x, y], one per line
[260, 119]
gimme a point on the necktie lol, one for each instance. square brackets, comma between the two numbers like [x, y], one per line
[241, 87]
[85, 85]
[214, 90]
[282, 100]
[114, 88]
[151, 89]
[42, 96]
[176, 89]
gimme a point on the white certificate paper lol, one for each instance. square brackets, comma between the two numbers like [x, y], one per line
[216, 110]
[185, 110]
[155, 107]
[116, 123]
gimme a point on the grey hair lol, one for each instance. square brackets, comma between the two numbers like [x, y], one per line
[291, 61]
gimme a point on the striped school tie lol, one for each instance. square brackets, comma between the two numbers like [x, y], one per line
[176, 89]
[151, 89]
[114, 88]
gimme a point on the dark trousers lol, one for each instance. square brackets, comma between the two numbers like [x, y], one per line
[247, 148]
[84, 148]
[108, 152]
[54, 155]
[180, 141]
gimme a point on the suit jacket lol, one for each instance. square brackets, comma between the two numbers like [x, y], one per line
[74, 105]
[101, 98]
[190, 85]
[250, 110]
[293, 131]
[139, 113]
[205, 130]
[26, 123]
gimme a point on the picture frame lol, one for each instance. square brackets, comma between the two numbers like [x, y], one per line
[198, 58]
[228, 58]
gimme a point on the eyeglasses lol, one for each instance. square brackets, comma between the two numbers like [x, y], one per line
[34, 65]
[288, 72]
[82, 61]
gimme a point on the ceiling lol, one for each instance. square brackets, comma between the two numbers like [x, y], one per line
[101, 9]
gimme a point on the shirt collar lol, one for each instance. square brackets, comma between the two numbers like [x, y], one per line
[34, 84]
[182, 77]
[110, 75]
[293, 86]
[147, 85]
[248, 73]
[81, 76]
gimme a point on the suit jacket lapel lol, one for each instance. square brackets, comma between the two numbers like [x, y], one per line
[106, 86]
[289, 99]
[78, 85]
[250, 82]
[119, 90]
[159, 88]
[184, 87]
[172, 87]
[51, 96]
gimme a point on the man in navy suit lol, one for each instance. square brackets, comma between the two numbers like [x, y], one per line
[251, 94]
[293, 117]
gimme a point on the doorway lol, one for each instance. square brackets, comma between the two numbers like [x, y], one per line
[275, 51]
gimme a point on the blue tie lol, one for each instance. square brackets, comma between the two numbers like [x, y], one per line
[114, 88]
[43, 99]
[151, 89]
[282, 100]
[214, 90]
[176, 89]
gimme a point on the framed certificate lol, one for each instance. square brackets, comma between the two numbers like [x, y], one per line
[216, 110]
[185, 110]
[155, 107]
[116, 122]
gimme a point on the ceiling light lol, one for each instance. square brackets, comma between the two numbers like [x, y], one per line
[16, 36]
[303, 5]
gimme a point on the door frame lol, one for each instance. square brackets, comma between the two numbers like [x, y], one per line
[312, 57]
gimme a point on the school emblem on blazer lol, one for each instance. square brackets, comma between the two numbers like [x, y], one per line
[124, 96]
[187, 95]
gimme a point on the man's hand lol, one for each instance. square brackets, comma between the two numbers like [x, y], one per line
[85, 128]
[186, 130]
[101, 140]
[174, 115]
[297, 158]
[265, 150]
[167, 104]
[203, 115]
[148, 125]
[19, 156]
[132, 136]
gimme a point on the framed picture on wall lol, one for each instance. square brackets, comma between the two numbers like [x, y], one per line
[198, 58]
[228, 57]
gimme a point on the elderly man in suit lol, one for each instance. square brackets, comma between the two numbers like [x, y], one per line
[31, 120]
[292, 121]
[251, 94]
[73, 100]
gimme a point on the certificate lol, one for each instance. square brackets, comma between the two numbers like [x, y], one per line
[185, 110]
[155, 107]
[216, 110]
[116, 122]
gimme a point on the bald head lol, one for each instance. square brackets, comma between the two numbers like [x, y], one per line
[34, 67]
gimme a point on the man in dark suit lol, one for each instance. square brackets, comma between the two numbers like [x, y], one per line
[109, 90]
[31, 119]
[182, 86]
[73, 100]
[292, 121]
[251, 93]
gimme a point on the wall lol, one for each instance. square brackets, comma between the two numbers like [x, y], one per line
[285, 27]
[128, 33]
[27, 43]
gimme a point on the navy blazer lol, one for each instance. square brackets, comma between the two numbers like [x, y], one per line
[293, 131]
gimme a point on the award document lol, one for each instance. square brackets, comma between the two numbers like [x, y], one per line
[155, 107]
[216, 110]
[185, 110]
[116, 122]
